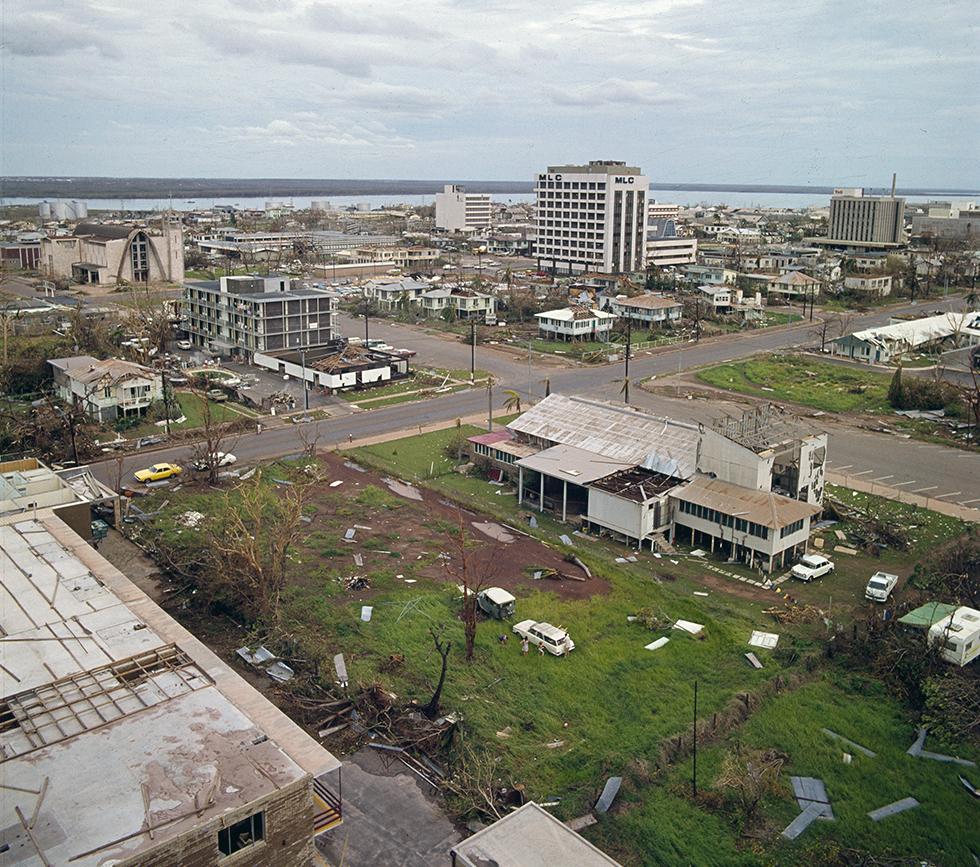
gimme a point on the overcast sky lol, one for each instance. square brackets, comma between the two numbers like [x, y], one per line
[821, 91]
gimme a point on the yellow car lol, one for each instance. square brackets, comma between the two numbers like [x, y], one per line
[157, 472]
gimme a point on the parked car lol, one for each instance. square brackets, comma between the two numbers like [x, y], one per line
[217, 395]
[183, 344]
[222, 459]
[880, 586]
[812, 566]
[496, 602]
[556, 641]
[157, 472]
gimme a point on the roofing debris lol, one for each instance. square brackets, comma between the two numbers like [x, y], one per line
[753, 660]
[892, 809]
[609, 792]
[767, 640]
[656, 645]
[917, 751]
[847, 742]
[688, 626]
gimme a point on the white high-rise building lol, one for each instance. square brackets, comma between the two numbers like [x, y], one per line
[591, 218]
[460, 211]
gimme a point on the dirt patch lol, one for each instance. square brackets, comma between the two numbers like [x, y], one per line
[413, 539]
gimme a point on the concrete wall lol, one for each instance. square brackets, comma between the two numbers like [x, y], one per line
[288, 835]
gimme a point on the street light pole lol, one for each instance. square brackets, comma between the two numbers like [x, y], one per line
[366, 323]
[629, 345]
[472, 352]
[306, 391]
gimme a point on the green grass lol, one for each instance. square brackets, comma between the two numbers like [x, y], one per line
[191, 406]
[425, 379]
[825, 386]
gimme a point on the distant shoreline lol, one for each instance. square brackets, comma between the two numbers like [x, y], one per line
[208, 188]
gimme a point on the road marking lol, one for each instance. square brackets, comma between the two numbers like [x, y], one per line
[903, 484]
[862, 473]
[845, 467]
[950, 494]
[967, 502]
[930, 488]
[882, 478]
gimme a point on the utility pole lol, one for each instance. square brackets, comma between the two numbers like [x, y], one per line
[489, 401]
[472, 352]
[629, 346]
[306, 391]
[166, 397]
[694, 729]
[366, 324]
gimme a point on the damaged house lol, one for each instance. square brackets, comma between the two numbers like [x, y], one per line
[745, 488]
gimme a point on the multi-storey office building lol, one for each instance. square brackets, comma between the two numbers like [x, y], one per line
[860, 220]
[591, 218]
[460, 211]
[240, 316]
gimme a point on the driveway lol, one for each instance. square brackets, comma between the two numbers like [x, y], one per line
[388, 819]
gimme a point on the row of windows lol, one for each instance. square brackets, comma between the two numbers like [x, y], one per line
[572, 185]
[789, 529]
[549, 244]
[556, 233]
[496, 454]
[564, 197]
[740, 525]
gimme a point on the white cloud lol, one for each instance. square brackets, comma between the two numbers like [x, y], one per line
[612, 91]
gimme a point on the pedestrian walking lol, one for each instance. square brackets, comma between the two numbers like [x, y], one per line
[524, 646]
[540, 650]
[350, 437]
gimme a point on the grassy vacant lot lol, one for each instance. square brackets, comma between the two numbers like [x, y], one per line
[192, 408]
[561, 726]
[830, 387]
[422, 384]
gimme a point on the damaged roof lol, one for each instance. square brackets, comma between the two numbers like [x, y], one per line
[761, 507]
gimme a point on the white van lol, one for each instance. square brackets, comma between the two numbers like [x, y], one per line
[880, 586]
[556, 641]
[959, 634]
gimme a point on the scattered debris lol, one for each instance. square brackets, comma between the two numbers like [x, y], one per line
[280, 672]
[842, 549]
[358, 560]
[609, 792]
[411, 581]
[356, 467]
[847, 742]
[916, 751]
[282, 481]
[582, 566]
[336, 483]
[565, 539]
[973, 790]
[893, 809]
[656, 645]
[802, 822]
[356, 582]
[403, 489]
[350, 534]
[361, 527]
[504, 732]
[554, 745]
[340, 666]
[698, 552]
[582, 822]
[366, 611]
[767, 640]
[796, 613]
[533, 522]
[258, 657]
[810, 790]
[248, 474]
[699, 593]
[494, 531]
[688, 626]
[753, 660]
[190, 519]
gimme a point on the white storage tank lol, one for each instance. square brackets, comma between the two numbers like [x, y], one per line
[319, 205]
[59, 210]
[44, 210]
[77, 210]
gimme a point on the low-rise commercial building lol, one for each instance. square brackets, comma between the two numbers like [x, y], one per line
[124, 739]
[953, 220]
[577, 322]
[106, 389]
[665, 247]
[240, 316]
[110, 253]
[336, 367]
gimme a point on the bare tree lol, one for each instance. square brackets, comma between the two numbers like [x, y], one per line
[207, 452]
[471, 574]
[431, 709]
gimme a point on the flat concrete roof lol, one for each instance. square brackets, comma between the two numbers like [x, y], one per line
[529, 837]
[109, 701]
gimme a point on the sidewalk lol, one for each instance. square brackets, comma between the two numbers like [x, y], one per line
[964, 513]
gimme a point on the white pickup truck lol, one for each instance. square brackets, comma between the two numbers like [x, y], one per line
[880, 586]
